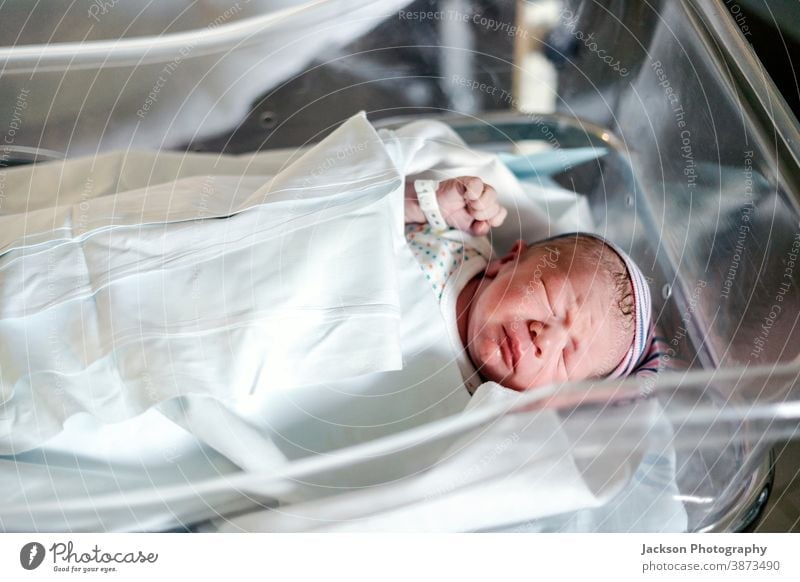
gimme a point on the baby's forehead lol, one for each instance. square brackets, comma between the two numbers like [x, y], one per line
[577, 269]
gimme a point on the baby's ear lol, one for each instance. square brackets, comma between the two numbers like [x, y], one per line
[514, 254]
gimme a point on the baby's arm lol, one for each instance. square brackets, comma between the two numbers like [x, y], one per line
[467, 203]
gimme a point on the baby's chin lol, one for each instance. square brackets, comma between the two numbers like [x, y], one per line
[510, 382]
[523, 387]
[487, 358]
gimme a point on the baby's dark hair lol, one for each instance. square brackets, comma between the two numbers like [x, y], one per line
[592, 248]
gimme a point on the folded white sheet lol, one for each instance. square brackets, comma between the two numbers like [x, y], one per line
[125, 301]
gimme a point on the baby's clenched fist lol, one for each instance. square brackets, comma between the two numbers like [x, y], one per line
[469, 204]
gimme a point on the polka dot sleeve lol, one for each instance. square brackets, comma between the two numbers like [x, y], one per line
[440, 256]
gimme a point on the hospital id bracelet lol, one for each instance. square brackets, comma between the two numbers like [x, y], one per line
[426, 195]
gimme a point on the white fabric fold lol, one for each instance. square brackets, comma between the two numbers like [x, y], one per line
[139, 300]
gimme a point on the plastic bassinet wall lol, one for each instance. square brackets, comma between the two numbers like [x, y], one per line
[83, 77]
[713, 152]
[701, 186]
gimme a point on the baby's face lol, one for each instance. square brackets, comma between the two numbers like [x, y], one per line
[547, 317]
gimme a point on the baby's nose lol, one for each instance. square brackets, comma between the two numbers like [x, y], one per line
[535, 328]
[547, 336]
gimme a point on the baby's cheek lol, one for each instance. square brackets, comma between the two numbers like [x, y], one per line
[518, 307]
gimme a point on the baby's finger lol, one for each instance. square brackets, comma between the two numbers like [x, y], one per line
[498, 218]
[473, 187]
[480, 228]
[487, 200]
[462, 221]
[484, 214]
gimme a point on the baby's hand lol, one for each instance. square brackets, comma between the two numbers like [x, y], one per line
[469, 204]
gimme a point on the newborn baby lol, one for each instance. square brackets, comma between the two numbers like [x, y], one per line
[563, 309]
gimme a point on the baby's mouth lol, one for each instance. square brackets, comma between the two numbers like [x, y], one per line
[506, 350]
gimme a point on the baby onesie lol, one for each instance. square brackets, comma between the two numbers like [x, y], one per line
[449, 261]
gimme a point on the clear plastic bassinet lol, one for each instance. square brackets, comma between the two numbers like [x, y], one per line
[702, 189]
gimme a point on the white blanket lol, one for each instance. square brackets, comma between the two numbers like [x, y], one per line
[121, 302]
[233, 332]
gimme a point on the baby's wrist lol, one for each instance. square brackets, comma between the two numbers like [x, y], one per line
[428, 192]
